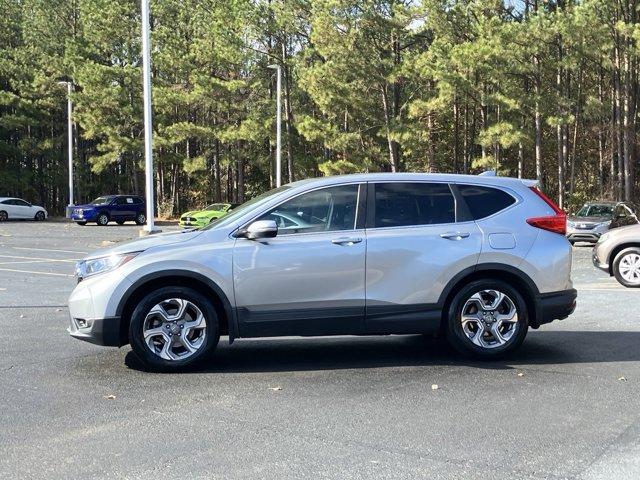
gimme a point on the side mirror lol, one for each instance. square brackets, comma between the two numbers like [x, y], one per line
[260, 229]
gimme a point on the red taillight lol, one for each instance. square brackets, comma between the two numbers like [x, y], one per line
[553, 223]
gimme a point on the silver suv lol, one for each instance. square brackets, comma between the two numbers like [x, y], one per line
[480, 259]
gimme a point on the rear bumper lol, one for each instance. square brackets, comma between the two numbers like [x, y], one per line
[100, 331]
[555, 306]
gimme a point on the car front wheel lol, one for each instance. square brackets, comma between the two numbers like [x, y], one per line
[3, 216]
[103, 219]
[487, 319]
[173, 328]
[39, 217]
[626, 267]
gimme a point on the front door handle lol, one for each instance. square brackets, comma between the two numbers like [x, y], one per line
[346, 241]
[454, 235]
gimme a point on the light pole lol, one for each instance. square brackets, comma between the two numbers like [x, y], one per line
[148, 126]
[278, 69]
[70, 142]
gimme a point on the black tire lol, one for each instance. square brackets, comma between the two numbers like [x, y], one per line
[153, 361]
[39, 216]
[120, 222]
[103, 219]
[4, 216]
[454, 329]
[141, 219]
[616, 267]
[213, 219]
[83, 223]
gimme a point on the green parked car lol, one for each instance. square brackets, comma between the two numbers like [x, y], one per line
[200, 218]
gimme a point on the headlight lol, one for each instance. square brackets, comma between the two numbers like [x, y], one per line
[571, 224]
[95, 266]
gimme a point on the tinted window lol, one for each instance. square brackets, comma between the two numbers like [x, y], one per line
[22, 203]
[324, 210]
[120, 201]
[403, 204]
[484, 201]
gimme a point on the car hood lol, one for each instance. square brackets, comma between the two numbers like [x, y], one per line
[87, 206]
[200, 213]
[139, 245]
[573, 218]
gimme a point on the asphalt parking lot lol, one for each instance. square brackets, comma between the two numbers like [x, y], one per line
[566, 406]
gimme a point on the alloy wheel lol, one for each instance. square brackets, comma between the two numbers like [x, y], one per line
[629, 267]
[489, 319]
[174, 329]
[3, 216]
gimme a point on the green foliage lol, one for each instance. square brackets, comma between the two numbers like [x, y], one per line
[369, 85]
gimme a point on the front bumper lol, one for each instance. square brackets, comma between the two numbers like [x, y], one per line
[554, 306]
[191, 223]
[100, 331]
[599, 262]
[93, 309]
[85, 216]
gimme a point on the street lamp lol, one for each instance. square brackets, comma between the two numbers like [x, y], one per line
[149, 228]
[278, 68]
[70, 143]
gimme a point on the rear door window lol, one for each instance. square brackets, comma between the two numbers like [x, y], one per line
[484, 201]
[406, 204]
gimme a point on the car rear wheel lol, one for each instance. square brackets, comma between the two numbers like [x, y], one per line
[39, 217]
[83, 223]
[103, 219]
[626, 267]
[487, 319]
[3, 216]
[141, 219]
[173, 328]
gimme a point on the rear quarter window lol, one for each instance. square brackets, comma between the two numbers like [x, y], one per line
[484, 201]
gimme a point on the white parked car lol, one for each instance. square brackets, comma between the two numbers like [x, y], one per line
[16, 208]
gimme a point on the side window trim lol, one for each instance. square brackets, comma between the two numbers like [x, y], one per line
[371, 203]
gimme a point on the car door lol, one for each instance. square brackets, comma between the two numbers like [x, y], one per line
[414, 248]
[21, 209]
[119, 208]
[309, 279]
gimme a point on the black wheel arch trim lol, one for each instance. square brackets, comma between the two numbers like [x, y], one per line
[499, 267]
[226, 304]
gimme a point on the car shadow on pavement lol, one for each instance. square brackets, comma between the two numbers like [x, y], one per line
[334, 353]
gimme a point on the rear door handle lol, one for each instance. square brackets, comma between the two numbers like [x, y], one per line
[346, 241]
[454, 235]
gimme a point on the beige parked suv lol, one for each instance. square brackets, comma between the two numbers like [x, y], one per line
[618, 253]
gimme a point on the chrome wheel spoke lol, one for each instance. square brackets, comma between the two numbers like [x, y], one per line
[167, 351]
[497, 335]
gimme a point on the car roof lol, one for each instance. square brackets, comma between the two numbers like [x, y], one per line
[437, 177]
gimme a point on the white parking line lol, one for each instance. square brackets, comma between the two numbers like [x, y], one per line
[36, 273]
[50, 250]
[39, 258]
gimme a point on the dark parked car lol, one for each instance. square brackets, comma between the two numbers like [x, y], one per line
[117, 208]
[595, 218]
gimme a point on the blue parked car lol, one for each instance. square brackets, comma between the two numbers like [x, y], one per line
[117, 208]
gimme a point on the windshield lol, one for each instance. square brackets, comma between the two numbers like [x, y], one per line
[245, 207]
[596, 211]
[216, 206]
[102, 201]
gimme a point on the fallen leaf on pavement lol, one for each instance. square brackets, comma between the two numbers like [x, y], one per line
[434, 387]
[520, 374]
[622, 379]
[275, 389]
[110, 397]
